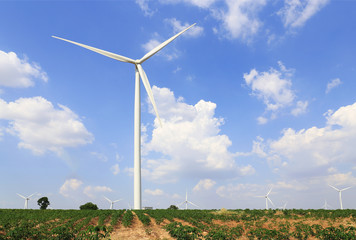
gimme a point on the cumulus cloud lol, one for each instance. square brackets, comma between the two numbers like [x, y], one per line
[274, 88]
[92, 191]
[317, 147]
[332, 84]
[157, 192]
[204, 184]
[295, 13]
[240, 21]
[143, 4]
[341, 179]
[189, 141]
[115, 169]
[41, 127]
[69, 186]
[198, 3]
[301, 107]
[195, 31]
[18, 73]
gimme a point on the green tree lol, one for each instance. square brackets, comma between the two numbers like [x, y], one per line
[43, 203]
[173, 207]
[89, 205]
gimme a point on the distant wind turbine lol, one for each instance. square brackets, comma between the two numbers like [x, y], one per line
[267, 198]
[26, 199]
[139, 72]
[186, 202]
[111, 202]
[340, 190]
[326, 205]
[284, 206]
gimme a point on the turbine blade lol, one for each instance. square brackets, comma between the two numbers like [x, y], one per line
[31, 195]
[117, 200]
[21, 196]
[334, 188]
[180, 204]
[345, 189]
[162, 45]
[147, 85]
[270, 201]
[102, 52]
[269, 192]
[107, 198]
[193, 204]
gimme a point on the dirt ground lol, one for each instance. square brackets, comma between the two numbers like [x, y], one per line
[138, 231]
[155, 232]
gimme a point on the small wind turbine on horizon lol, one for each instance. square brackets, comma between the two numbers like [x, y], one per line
[267, 198]
[326, 205]
[139, 73]
[111, 202]
[284, 206]
[186, 202]
[26, 199]
[340, 190]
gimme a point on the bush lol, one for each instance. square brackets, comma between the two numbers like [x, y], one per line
[89, 206]
[173, 207]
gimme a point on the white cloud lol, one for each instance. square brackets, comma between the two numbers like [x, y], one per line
[157, 192]
[115, 169]
[195, 31]
[341, 179]
[239, 190]
[92, 191]
[69, 186]
[295, 13]
[204, 184]
[99, 156]
[316, 147]
[332, 84]
[240, 20]
[16, 72]
[274, 88]
[300, 108]
[143, 4]
[198, 3]
[262, 120]
[189, 141]
[40, 127]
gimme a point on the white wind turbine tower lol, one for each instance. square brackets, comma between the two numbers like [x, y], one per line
[111, 202]
[267, 198]
[186, 202]
[139, 72]
[340, 190]
[26, 199]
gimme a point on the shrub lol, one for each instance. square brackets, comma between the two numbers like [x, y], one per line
[89, 206]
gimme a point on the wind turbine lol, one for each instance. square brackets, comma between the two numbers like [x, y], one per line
[111, 202]
[139, 73]
[340, 190]
[267, 198]
[326, 205]
[284, 206]
[26, 199]
[186, 202]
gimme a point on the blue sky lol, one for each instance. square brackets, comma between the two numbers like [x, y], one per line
[258, 94]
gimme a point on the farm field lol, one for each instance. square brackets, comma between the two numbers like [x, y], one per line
[177, 224]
